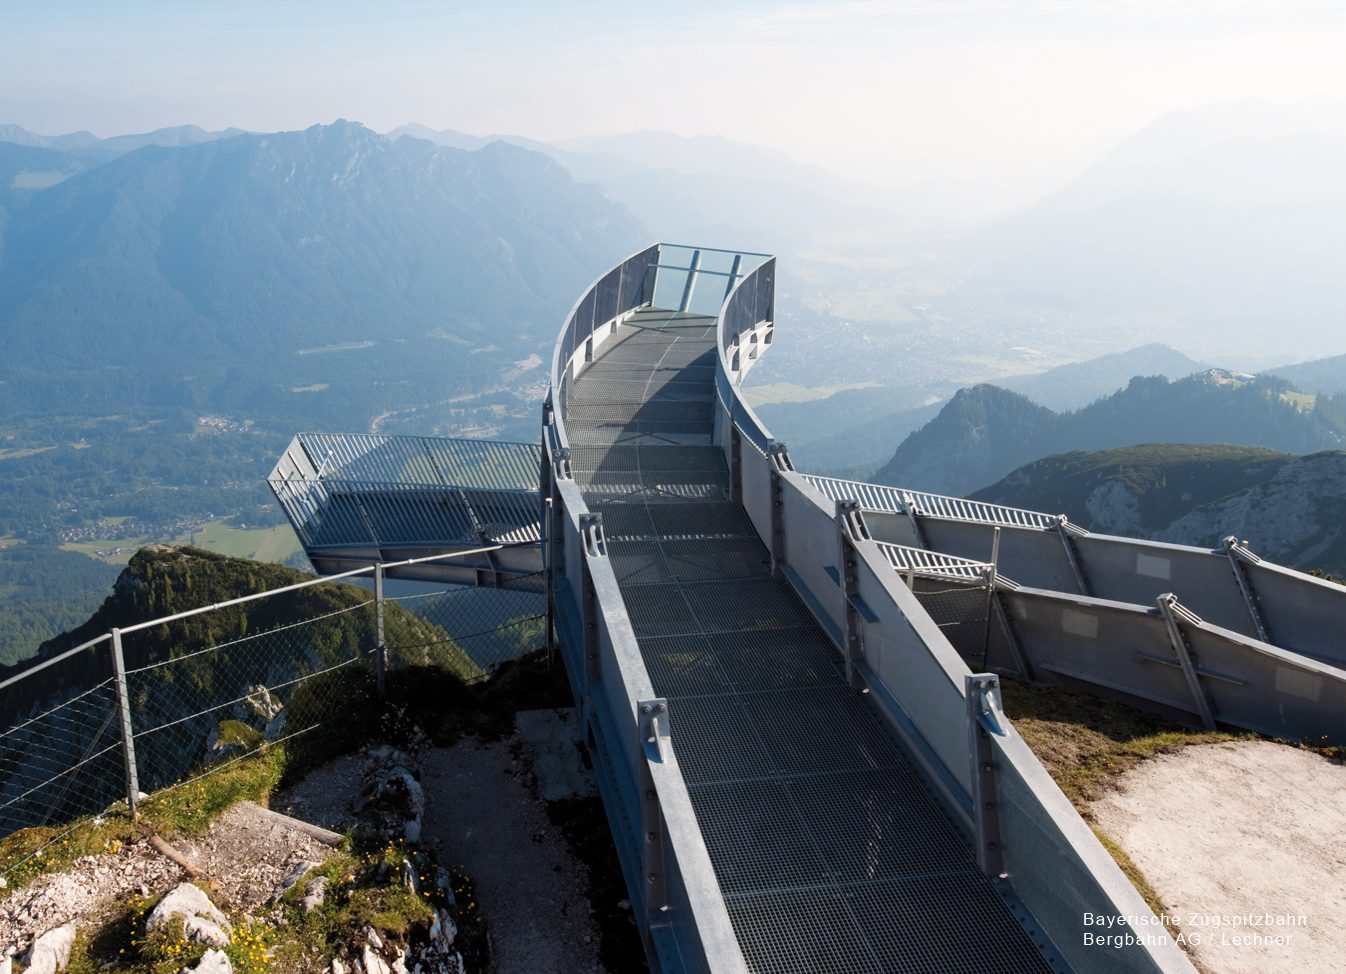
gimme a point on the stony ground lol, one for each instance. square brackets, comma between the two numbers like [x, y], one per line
[244, 856]
[1238, 830]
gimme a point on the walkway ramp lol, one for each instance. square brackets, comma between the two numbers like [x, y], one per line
[832, 853]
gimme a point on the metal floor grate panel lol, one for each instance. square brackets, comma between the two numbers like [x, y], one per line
[865, 829]
[698, 559]
[747, 603]
[683, 666]
[720, 519]
[776, 658]
[806, 932]
[756, 837]
[833, 855]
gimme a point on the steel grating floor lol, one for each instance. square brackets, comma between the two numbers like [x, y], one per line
[832, 854]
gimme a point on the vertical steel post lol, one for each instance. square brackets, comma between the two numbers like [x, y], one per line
[1235, 552]
[128, 733]
[654, 739]
[850, 528]
[1072, 556]
[735, 462]
[983, 720]
[380, 647]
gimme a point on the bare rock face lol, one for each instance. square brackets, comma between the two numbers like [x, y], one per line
[51, 951]
[202, 921]
[392, 795]
[212, 962]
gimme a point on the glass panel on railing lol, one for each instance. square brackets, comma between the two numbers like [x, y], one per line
[605, 307]
[717, 261]
[708, 293]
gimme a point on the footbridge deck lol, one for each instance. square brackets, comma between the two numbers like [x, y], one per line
[831, 851]
[800, 772]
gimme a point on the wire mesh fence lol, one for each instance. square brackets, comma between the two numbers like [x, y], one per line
[63, 758]
[211, 701]
[962, 613]
[473, 631]
[206, 688]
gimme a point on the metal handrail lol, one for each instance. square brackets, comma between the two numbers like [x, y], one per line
[757, 313]
[933, 564]
[897, 500]
[569, 331]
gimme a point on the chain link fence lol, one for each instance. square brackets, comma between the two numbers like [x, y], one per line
[143, 709]
[962, 613]
[60, 760]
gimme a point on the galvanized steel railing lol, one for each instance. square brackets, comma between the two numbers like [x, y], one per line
[358, 490]
[898, 500]
[932, 564]
[627, 286]
[676, 900]
[745, 326]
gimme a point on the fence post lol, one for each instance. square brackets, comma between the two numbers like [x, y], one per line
[380, 647]
[128, 734]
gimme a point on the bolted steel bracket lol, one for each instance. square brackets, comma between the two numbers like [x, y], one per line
[852, 520]
[779, 454]
[591, 529]
[913, 516]
[561, 464]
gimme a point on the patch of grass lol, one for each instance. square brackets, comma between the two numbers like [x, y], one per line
[1086, 743]
[190, 808]
[235, 733]
[273, 544]
[33, 852]
[782, 392]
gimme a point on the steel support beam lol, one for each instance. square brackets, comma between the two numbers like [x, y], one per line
[1174, 614]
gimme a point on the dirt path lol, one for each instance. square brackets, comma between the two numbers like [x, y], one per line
[480, 812]
[1233, 837]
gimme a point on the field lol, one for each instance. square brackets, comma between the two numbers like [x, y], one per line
[273, 544]
[774, 392]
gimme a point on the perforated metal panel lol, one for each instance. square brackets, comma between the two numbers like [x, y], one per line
[833, 856]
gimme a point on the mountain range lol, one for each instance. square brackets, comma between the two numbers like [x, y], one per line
[1289, 509]
[985, 432]
[226, 270]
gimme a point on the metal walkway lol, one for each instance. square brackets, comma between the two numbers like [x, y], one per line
[831, 853]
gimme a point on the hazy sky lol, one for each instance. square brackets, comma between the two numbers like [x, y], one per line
[1014, 94]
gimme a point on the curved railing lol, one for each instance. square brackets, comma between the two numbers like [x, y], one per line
[626, 287]
[675, 896]
[742, 333]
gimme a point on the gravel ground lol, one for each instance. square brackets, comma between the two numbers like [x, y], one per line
[1232, 831]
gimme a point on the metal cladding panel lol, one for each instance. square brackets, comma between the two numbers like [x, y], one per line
[1128, 570]
[1303, 614]
[1061, 871]
[1031, 556]
[1259, 688]
[1123, 648]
